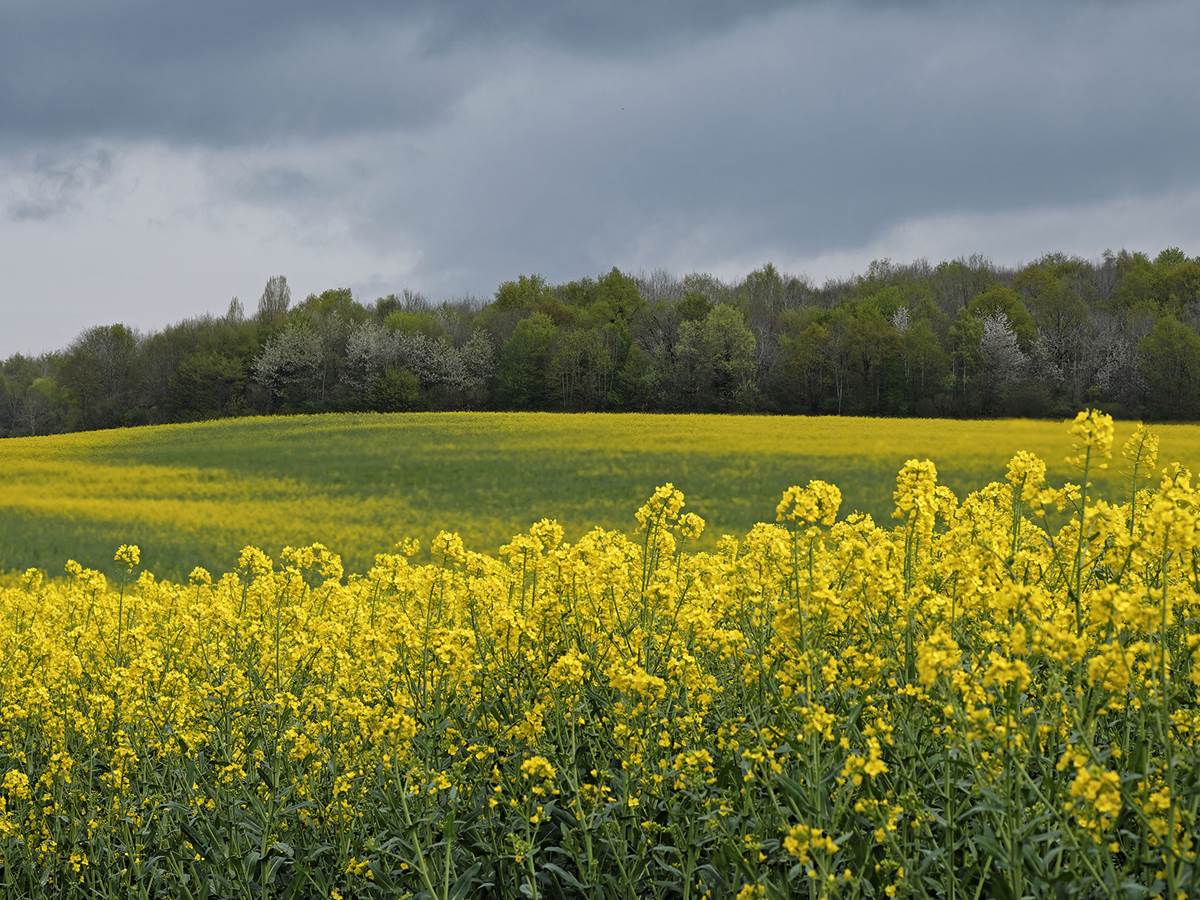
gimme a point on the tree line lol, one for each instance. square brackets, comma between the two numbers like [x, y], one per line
[963, 338]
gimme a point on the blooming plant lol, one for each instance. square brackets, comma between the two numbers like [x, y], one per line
[993, 697]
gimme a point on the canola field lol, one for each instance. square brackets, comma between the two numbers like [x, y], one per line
[196, 494]
[990, 694]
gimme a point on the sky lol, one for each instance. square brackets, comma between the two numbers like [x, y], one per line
[157, 159]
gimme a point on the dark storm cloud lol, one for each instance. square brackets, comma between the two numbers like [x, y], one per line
[243, 71]
[212, 73]
[800, 133]
[447, 145]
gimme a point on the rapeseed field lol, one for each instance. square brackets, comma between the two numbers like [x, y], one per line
[196, 494]
[982, 695]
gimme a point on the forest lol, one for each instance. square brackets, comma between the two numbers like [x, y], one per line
[962, 338]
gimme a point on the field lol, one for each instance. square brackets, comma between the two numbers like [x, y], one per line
[196, 494]
[991, 695]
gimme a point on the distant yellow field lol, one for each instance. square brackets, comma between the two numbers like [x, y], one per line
[197, 493]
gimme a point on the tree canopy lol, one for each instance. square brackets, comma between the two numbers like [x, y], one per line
[960, 338]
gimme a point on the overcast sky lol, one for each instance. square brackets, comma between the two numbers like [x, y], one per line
[158, 158]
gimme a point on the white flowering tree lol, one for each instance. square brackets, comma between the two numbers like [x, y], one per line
[289, 365]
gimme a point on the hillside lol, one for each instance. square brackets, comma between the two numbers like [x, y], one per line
[195, 494]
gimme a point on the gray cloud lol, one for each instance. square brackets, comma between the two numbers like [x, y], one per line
[235, 71]
[445, 146]
[803, 133]
[54, 182]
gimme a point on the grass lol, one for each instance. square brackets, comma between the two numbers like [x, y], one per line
[195, 494]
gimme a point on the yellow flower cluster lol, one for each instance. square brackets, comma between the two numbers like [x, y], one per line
[620, 715]
[817, 503]
[802, 841]
[129, 555]
[939, 654]
[1092, 436]
[1095, 795]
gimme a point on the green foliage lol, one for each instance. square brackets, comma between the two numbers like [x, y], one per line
[522, 380]
[1169, 358]
[394, 390]
[415, 322]
[716, 358]
[638, 381]
[97, 374]
[896, 340]
[582, 368]
[613, 299]
[207, 385]
[527, 294]
[693, 307]
[337, 303]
